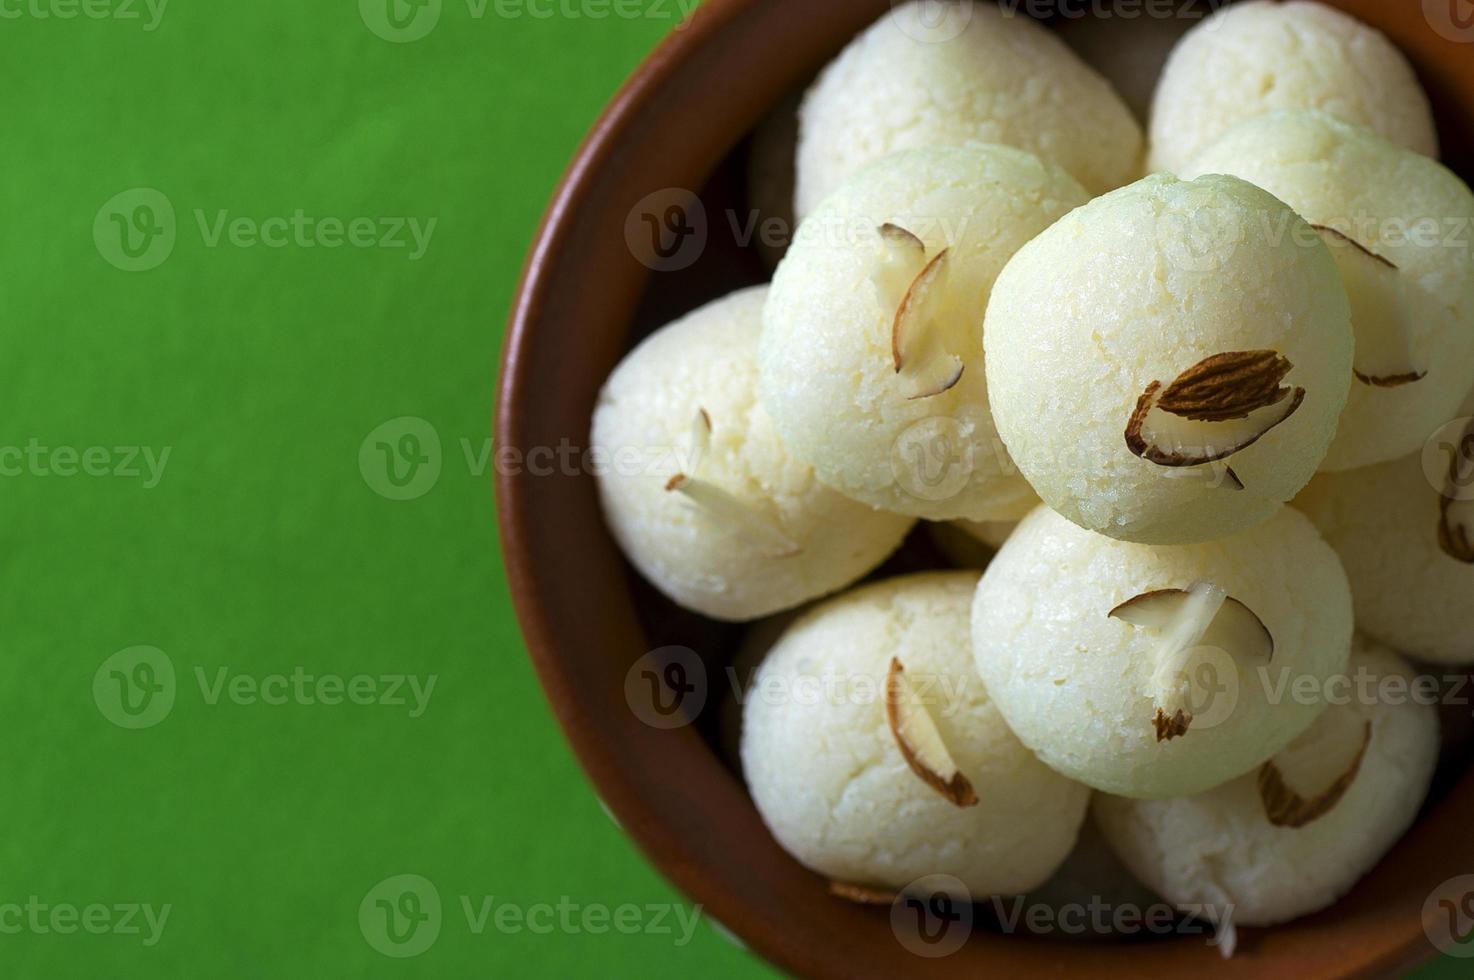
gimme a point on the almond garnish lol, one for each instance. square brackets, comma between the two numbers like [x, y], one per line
[721, 506]
[918, 347]
[1456, 515]
[1203, 617]
[919, 740]
[1286, 808]
[1169, 728]
[1379, 314]
[861, 894]
[1214, 409]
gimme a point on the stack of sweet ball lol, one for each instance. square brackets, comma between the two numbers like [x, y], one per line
[1212, 419]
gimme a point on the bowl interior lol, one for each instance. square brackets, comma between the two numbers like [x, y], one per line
[684, 123]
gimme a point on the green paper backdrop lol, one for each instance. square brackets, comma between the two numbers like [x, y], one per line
[252, 248]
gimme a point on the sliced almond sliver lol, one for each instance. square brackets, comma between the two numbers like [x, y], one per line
[727, 511]
[1286, 808]
[1188, 620]
[861, 894]
[1170, 727]
[1456, 515]
[1214, 409]
[920, 741]
[1379, 313]
[903, 255]
[700, 440]
[913, 325]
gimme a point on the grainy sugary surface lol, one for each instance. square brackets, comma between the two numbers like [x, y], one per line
[1407, 208]
[1073, 682]
[1219, 847]
[976, 74]
[643, 424]
[1136, 287]
[831, 784]
[827, 373]
[1252, 58]
[1383, 522]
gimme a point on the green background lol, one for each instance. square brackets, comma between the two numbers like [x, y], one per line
[264, 548]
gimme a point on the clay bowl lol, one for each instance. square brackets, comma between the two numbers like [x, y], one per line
[683, 122]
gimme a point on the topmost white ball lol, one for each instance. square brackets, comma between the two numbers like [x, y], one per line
[946, 74]
[1251, 58]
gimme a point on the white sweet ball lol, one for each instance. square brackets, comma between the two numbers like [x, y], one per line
[1252, 58]
[1409, 210]
[752, 532]
[827, 772]
[829, 349]
[1222, 847]
[1093, 688]
[929, 74]
[1135, 297]
[1412, 585]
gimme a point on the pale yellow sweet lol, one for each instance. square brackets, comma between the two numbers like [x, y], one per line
[828, 377]
[1404, 207]
[929, 74]
[828, 776]
[1075, 684]
[1383, 521]
[643, 430]
[1219, 848]
[1252, 58]
[1137, 287]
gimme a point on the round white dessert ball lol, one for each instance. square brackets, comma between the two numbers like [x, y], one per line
[1251, 58]
[830, 769]
[1403, 531]
[1398, 227]
[1141, 670]
[1294, 836]
[872, 353]
[929, 74]
[700, 492]
[1168, 363]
